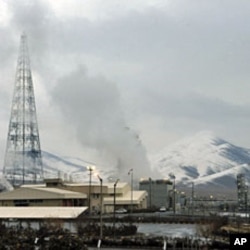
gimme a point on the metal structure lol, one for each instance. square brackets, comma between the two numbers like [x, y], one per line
[114, 218]
[101, 208]
[242, 192]
[130, 172]
[23, 159]
[160, 192]
[90, 169]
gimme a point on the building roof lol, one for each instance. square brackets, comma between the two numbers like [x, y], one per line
[81, 184]
[121, 187]
[32, 185]
[138, 196]
[119, 184]
[41, 212]
[35, 193]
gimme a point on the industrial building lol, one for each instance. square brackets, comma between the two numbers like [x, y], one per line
[242, 189]
[36, 217]
[124, 196]
[57, 193]
[159, 192]
[37, 196]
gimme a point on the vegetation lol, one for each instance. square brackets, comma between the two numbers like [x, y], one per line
[52, 235]
[93, 230]
[49, 236]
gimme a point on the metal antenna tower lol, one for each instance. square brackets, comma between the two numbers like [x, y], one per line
[23, 159]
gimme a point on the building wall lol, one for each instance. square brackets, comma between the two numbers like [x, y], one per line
[122, 189]
[96, 189]
[95, 197]
[143, 204]
[43, 202]
[36, 203]
[107, 191]
[158, 192]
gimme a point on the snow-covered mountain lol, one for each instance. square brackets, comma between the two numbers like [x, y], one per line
[71, 168]
[68, 169]
[203, 159]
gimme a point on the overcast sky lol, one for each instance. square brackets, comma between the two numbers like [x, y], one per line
[116, 77]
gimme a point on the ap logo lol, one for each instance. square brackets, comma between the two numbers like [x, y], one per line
[240, 241]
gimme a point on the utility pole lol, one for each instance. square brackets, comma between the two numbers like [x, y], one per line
[174, 197]
[172, 176]
[115, 184]
[192, 198]
[130, 172]
[150, 193]
[90, 169]
[101, 202]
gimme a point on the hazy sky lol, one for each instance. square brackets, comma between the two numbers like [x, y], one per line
[116, 76]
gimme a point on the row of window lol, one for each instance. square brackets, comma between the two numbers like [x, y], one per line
[26, 202]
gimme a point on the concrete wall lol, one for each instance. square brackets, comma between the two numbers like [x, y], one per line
[158, 192]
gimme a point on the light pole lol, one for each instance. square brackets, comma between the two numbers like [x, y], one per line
[174, 197]
[192, 199]
[101, 199]
[90, 169]
[130, 172]
[115, 184]
[150, 193]
[172, 176]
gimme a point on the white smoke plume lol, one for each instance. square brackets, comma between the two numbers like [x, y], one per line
[92, 106]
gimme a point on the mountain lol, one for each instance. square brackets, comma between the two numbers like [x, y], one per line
[204, 159]
[66, 168]
[210, 162]
[71, 168]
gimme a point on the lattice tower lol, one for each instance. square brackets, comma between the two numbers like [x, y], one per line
[23, 159]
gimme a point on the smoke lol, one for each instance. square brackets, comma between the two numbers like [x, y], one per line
[92, 106]
[32, 17]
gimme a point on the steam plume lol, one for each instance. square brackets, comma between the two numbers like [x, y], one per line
[92, 106]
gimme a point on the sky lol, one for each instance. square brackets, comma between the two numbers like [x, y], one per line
[117, 81]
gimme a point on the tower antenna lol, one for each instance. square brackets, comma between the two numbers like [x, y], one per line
[23, 158]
